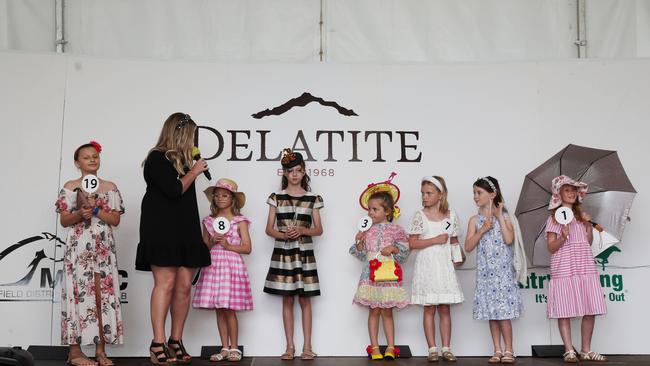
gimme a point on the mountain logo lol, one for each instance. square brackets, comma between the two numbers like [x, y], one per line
[301, 101]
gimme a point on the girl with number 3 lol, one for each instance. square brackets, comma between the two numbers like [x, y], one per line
[574, 289]
[224, 285]
[90, 303]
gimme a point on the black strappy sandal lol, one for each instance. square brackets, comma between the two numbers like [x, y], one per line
[177, 348]
[160, 354]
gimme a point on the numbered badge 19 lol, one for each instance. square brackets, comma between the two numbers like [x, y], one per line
[221, 225]
[364, 223]
[89, 183]
[564, 215]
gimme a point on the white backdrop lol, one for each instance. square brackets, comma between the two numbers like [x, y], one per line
[473, 120]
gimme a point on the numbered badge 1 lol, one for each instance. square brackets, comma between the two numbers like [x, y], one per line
[364, 223]
[89, 183]
[564, 215]
[221, 225]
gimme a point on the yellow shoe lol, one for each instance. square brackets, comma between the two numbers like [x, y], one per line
[389, 353]
[371, 352]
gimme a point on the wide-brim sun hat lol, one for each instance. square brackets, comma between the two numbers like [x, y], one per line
[230, 186]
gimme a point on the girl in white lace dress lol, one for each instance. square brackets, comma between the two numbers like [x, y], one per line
[434, 230]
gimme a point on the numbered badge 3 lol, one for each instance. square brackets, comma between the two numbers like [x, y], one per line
[364, 223]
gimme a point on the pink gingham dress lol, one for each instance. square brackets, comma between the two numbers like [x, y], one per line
[574, 289]
[224, 284]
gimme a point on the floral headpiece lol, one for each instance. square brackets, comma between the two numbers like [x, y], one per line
[183, 121]
[290, 158]
[556, 185]
[489, 182]
[386, 186]
[96, 145]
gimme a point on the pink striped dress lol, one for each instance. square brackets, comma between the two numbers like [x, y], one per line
[574, 289]
[224, 284]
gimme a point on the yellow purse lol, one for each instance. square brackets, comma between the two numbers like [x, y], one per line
[386, 270]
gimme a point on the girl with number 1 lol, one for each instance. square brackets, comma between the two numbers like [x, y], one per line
[90, 303]
[574, 289]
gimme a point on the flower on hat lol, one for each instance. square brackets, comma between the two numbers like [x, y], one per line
[556, 185]
[96, 145]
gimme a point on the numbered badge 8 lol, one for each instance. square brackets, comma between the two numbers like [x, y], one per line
[221, 225]
[364, 223]
[89, 183]
[564, 215]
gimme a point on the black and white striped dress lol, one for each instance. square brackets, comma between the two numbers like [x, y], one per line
[293, 265]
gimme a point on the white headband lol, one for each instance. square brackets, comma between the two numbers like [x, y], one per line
[433, 180]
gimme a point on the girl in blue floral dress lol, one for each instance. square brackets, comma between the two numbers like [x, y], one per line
[496, 297]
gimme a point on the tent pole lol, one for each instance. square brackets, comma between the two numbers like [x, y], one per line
[58, 21]
[321, 52]
[581, 41]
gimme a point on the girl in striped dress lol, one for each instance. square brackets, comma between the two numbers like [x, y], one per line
[574, 289]
[293, 219]
[224, 285]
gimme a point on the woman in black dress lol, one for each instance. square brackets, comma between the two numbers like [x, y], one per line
[170, 245]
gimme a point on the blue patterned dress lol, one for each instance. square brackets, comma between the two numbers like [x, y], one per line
[497, 295]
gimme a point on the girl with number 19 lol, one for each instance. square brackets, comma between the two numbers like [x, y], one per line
[90, 303]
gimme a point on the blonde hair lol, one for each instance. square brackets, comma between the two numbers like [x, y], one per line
[234, 208]
[444, 203]
[176, 141]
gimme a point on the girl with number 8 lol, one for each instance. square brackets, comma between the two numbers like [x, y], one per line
[224, 285]
[574, 289]
[90, 302]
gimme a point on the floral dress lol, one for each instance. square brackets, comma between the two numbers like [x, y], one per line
[434, 278]
[497, 294]
[90, 249]
[388, 294]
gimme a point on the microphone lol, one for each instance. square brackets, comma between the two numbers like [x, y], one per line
[196, 155]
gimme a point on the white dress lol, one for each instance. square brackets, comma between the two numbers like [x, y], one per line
[434, 277]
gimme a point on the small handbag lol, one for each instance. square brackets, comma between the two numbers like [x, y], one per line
[386, 270]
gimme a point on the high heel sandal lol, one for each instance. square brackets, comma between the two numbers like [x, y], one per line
[390, 353]
[159, 354]
[177, 347]
[371, 352]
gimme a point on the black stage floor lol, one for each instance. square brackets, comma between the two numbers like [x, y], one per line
[357, 361]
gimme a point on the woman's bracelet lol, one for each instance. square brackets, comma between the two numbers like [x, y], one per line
[96, 211]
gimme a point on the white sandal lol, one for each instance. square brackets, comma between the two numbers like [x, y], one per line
[592, 356]
[220, 356]
[234, 355]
